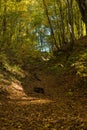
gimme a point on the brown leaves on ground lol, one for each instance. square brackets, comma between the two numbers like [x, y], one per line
[62, 106]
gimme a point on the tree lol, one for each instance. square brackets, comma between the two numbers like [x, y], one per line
[83, 9]
[40, 25]
[50, 24]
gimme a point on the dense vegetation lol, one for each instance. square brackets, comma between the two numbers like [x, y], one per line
[41, 30]
[43, 60]
[29, 27]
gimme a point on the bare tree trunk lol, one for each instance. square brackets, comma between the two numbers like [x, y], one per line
[70, 22]
[4, 24]
[52, 32]
[57, 26]
[83, 9]
[62, 23]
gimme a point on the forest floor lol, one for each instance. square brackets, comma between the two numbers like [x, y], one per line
[46, 95]
[60, 106]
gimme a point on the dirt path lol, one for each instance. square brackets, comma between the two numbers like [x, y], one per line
[62, 106]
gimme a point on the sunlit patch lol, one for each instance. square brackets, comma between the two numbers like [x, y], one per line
[17, 86]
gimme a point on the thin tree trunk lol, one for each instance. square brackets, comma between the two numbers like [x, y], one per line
[70, 22]
[62, 23]
[57, 25]
[52, 32]
[83, 9]
[4, 24]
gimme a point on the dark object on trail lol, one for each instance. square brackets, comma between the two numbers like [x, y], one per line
[38, 90]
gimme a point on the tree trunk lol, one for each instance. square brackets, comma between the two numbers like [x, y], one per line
[83, 9]
[70, 22]
[50, 24]
[4, 24]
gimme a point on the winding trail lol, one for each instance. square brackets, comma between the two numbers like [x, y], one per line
[61, 107]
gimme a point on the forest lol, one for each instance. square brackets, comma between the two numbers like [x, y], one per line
[43, 64]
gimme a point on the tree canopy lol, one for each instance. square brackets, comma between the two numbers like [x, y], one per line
[30, 27]
[43, 64]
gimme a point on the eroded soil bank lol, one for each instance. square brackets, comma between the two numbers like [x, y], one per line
[62, 106]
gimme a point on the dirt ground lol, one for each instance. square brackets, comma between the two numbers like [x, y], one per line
[61, 106]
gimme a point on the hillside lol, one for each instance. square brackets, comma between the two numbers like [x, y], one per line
[46, 95]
